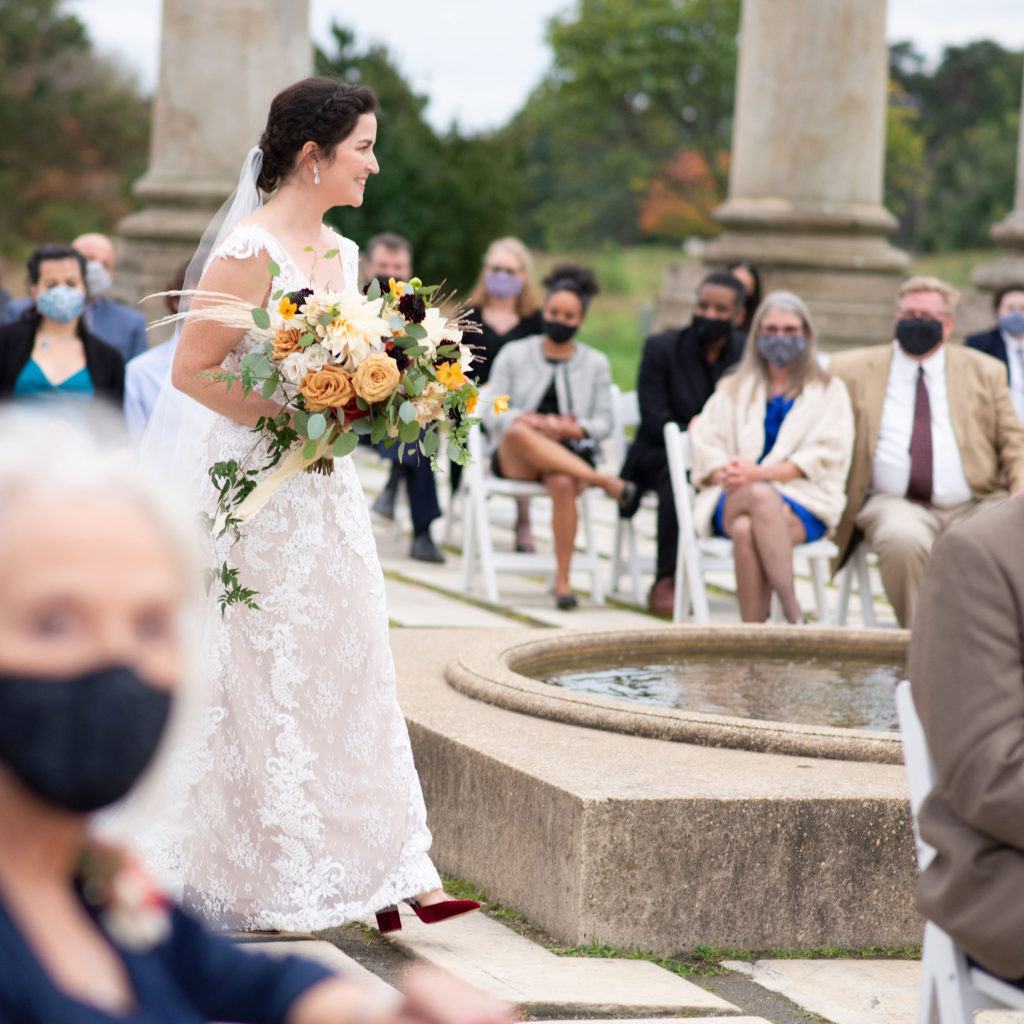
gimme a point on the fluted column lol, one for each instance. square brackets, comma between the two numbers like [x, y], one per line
[220, 66]
[806, 180]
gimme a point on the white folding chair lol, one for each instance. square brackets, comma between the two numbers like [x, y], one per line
[478, 553]
[950, 989]
[700, 555]
[626, 413]
[856, 570]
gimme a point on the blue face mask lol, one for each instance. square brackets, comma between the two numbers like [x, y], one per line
[781, 349]
[61, 304]
[1012, 324]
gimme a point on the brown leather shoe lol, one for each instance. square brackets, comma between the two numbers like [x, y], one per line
[660, 597]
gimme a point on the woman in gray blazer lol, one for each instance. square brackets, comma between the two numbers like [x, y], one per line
[559, 408]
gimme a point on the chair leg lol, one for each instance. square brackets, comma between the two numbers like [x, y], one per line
[468, 545]
[843, 600]
[867, 603]
[593, 557]
[634, 565]
[482, 526]
[616, 569]
[819, 573]
[695, 581]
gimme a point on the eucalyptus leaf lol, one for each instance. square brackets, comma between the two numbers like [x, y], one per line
[430, 441]
[362, 427]
[427, 289]
[380, 429]
[397, 322]
[414, 383]
[309, 448]
[409, 432]
[317, 425]
[361, 403]
[407, 412]
[417, 350]
[307, 339]
[417, 331]
[326, 319]
[269, 387]
[261, 318]
[345, 444]
[278, 295]
[373, 292]
[300, 420]
[330, 254]
[275, 270]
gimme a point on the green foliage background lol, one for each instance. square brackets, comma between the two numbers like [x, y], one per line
[629, 86]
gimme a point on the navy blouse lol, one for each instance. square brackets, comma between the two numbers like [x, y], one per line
[190, 978]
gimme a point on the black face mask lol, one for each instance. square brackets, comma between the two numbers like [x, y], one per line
[708, 330]
[80, 742]
[558, 332]
[918, 336]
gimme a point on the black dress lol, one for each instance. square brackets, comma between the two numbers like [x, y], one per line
[487, 344]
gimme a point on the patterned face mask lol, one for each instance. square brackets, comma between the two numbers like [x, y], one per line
[781, 349]
[61, 304]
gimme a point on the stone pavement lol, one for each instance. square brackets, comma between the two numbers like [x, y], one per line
[517, 970]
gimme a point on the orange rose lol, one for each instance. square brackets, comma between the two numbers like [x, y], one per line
[376, 378]
[327, 388]
[286, 342]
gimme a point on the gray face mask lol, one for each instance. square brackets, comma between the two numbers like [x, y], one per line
[97, 279]
[1012, 324]
[781, 349]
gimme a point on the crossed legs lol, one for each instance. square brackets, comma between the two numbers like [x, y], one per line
[527, 454]
[763, 530]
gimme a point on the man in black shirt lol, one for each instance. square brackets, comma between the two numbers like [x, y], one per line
[678, 372]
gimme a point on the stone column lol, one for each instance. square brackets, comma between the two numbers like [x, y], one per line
[805, 187]
[220, 66]
[1008, 234]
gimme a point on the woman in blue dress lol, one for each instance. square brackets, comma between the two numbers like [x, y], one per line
[48, 354]
[771, 450]
[92, 655]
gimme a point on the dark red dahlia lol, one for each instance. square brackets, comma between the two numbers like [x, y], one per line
[300, 296]
[413, 308]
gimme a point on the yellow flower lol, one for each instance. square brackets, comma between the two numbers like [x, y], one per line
[471, 402]
[397, 288]
[451, 376]
[500, 404]
[287, 308]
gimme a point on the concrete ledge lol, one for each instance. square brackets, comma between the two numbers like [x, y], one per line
[633, 841]
[493, 672]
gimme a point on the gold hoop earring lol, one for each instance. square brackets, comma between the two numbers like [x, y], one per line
[316, 175]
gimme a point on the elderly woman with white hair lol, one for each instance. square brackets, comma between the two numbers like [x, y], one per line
[771, 451]
[93, 651]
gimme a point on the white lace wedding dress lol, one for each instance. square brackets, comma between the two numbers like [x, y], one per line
[305, 810]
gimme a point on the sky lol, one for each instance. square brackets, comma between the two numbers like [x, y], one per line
[478, 61]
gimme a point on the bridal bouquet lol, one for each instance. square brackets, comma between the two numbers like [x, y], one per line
[386, 364]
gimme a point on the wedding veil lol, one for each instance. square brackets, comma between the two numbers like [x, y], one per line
[179, 423]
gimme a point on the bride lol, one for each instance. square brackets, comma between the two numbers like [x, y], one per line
[305, 810]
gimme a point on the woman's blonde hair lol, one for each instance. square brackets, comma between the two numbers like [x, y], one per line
[752, 364]
[529, 299]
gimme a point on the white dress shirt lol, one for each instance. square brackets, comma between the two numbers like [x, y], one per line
[1015, 361]
[890, 472]
[143, 377]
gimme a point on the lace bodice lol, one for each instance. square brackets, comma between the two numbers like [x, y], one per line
[303, 807]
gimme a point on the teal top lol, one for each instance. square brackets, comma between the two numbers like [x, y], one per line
[32, 383]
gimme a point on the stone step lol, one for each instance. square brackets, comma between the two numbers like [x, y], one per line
[494, 959]
[412, 605]
[323, 953]
[732, 1019]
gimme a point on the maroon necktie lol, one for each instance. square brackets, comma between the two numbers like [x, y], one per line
[920, 487]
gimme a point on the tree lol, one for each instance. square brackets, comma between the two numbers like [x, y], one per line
[450, 195]
[73, 129]
[630, 85]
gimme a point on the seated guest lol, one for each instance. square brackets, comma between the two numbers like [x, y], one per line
[93, 642]
[506, 303]
[937, 435]
[559, 407]
[750, 277]
[48, 353]
[144, 375]
[678, 372]
[5, 299]
[1006, 340]
[118, 325]
[966, 668]
[390, 256]
[771, 451]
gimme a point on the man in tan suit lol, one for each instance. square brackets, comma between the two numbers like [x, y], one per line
[936, 435]
[966, 668]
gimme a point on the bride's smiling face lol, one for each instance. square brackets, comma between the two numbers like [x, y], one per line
[352, 163]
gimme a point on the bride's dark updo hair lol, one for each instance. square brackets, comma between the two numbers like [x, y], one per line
[318, 110]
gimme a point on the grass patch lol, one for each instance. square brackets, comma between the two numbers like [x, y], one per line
[701, 962]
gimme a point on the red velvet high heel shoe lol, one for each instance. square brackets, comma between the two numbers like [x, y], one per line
[389, 921]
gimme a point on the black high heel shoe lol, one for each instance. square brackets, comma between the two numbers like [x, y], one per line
[388, 919]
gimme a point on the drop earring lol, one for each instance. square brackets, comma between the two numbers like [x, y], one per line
[316, 175]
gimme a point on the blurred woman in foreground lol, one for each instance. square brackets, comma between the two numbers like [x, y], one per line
[92, 662]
